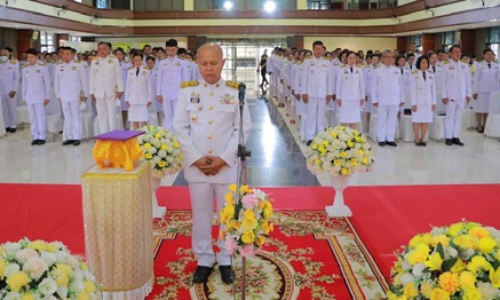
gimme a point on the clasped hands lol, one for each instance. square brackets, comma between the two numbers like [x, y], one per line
[210, 165]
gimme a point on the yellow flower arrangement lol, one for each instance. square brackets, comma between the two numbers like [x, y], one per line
[246, 226]
[339, 151]
[456, 262]
[160, 147]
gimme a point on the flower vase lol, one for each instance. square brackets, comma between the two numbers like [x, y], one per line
[158, 211]
[339, 209]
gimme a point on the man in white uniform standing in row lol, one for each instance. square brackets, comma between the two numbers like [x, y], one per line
[71, 88]
[105, 86]
[317, 90]
[171, 72]
[457, 90]
[9, 84]
[207, 124]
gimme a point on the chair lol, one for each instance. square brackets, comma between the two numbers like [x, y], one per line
[436, 128]
[23, 117]
[406, 128]
[54, 124]
[492, 127]
[469, 119]
[372, 134]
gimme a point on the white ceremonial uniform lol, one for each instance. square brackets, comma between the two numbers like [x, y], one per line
[317, 83]
[282, 65]
[124, 67]
[486, 80]
[368, 80]
[456, 86]
[190, 66]
[351, 90]
[36, 88]
[105, 82]
[285, 75]
[207, 122]
[423, 95]
[437, 70]
[301, 107]
[9, 82]
[71, 83]
[272, 68]
[154, 86]
[171, 72]
[387, 90]
[138, 93]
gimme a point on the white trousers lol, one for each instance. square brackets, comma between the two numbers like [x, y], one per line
[303, 120]
[453, 120]
[9, 110]
[72, 120]
[274, 85]
[169, 106]
[106, 113]
[38, 121]
[315, 120]
[202, 203]
[387, 122]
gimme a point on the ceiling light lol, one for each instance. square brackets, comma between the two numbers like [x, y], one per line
[270, 6]
[228, 5]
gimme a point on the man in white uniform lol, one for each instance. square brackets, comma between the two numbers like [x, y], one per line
[456, 86]
[171, 72]
[36, 95]
[9, 84]
[317, 90]
[71, 87]
[105, 86]
[207, 127]
[387, 91]
[486, 81]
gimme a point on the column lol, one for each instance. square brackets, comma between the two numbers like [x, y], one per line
[188, 4]
[402, 43]
[468, 41]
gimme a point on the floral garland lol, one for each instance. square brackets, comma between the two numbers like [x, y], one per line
[460, 261]
[246, 225]
[39, 270]
[339, 151]
[160, 147]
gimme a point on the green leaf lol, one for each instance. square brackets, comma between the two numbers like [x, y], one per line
[448, 264]
[440, 250]
[495, 264]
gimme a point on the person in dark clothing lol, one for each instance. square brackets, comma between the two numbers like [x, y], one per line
[263, 68]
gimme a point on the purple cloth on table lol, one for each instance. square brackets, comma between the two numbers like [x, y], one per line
[118, 135]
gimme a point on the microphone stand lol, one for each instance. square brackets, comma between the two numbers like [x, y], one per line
[242, 179]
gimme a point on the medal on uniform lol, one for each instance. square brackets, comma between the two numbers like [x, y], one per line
[73, 68]
[110, 61]
[177, 64]
[227, 99]
[38, 71]
[195, 98]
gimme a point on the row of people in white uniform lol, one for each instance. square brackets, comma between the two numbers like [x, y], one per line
[310, 83]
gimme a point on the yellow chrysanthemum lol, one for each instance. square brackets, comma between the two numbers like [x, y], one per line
[268, 210]
[336, 162]
[334, 135]
[162, 164]
[265, 227]
[84, 267]
[28, 296]
[3, 265]
[443, 239]
[158, 135]
[248, 237]
[64, 268]
[467, 279]
[439, 294]
[426, 289]
[495, 277]
[148, 155]
[229, 210]
[83, 295]
[353, 162]
[479, 232]
[410, 291]
[342, 154]
[466, 242]
[478, 262]
[425, 239]
[260, 241]
[38, 245]
[487, 244]
[458, 267]
[419, 255]
[472, 293]
[455, 229]
[392, 296]
[317, 161]
[449, 282]
[17, 281]
[62, 279]
[175, 145]
[147, 146]
[164, 147]
[51, 248]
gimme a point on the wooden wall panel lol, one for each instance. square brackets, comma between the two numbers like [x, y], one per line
[401, 43]
[24, 41]
[428, 42]
[468, 41]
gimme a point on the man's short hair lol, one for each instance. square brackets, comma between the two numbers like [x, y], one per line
[146, 46]
[171, 43]
[488, 50]
[181, 51]
[316, 43]
[455, 46]
[387, 51]
[32, 51]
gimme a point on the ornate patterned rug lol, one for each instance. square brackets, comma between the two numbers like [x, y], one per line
[308, 256]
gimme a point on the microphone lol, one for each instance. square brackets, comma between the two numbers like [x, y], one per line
[241, 92]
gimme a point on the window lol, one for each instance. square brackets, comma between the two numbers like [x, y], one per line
[417, 41]
[75, 39]
[101, 3]
[46, 41]
[493, 40]
[318, 4]
[448, 39]
[78, 1]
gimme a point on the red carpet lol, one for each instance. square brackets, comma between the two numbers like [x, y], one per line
[385, 217]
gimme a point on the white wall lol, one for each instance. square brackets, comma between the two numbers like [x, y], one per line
[403, 2]
[139, 42]
[81, 46]
[353, 43]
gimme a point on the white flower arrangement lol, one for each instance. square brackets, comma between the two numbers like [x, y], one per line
[43, 271]
[339, 151]
[160, 147]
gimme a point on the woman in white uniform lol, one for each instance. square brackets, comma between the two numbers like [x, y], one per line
[423, 99]
[124, 66]
[350, 92]
[153, 67]
[138, 93]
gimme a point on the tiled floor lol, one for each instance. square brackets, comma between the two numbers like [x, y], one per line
[277, 159]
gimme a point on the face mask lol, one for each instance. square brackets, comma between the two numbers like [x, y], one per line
[4, 59]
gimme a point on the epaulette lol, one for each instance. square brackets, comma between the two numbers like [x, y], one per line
[414, 72]
[336, 63]
[77, 61]
[59, 62]
[232, 84]
[377, 66]
[95, 57]
[446, 62]
[41, 63]
[13, 61]
[191, 83]
[147, 68]
[430, 71]
[308, 58]
[112, 55]
[25, 65]
[343, 66]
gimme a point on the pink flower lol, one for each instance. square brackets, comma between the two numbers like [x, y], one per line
[231, 244]
[250, 201]
[248, 251]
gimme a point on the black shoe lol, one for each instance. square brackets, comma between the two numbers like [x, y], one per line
[448, 142]
[201, 274]
[41, 142]
[381, 144]
[7, 129]
[418, 144]
[423, 144]
[392, 144]
[76, 143]
[13, 130]
[226, 274]
[67, 142]
[309, 143]
[35, 142]
[456, 141]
